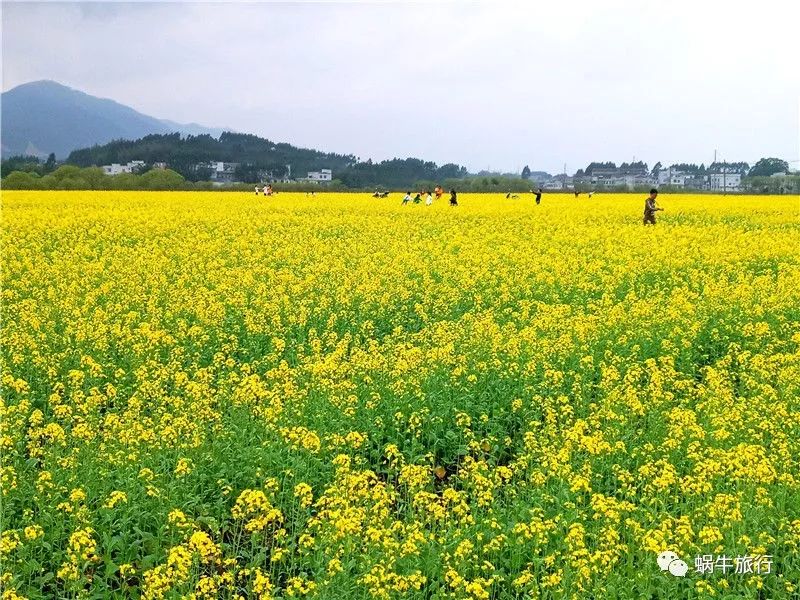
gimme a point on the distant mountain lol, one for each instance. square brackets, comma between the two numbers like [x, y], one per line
[44, 116]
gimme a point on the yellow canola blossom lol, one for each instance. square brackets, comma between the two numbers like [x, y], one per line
[222, 395]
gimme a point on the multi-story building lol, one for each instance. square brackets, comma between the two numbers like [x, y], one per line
[679, 178]
[321, 176]
[602, 177]
[634, 180]
[221, 172]
[626, 175]
[725, 182]
[672, 176]
[559, 182]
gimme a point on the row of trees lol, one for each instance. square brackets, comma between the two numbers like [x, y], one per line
[28, 164]
[768, 166]
[763, 168]
[258, 156]
[398, 173]
[70, 177]
[772, 185]
[495, 183]
[260, 159]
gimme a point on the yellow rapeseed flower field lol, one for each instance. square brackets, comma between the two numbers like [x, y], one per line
[222, 395]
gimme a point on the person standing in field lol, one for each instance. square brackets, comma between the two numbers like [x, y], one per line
[407, 198]
[650, 208]
[428, 199]
[256, 190]
[453, 198]
[539, 196]
[438, 191]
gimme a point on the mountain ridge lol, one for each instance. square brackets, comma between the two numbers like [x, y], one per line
[45, 116]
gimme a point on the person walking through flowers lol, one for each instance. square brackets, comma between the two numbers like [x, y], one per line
[650, 208]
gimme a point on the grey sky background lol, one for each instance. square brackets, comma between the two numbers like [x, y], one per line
[484, 84]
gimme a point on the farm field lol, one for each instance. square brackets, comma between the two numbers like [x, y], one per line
[218, 395]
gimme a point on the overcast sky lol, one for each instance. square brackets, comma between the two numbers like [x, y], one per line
[485, 84]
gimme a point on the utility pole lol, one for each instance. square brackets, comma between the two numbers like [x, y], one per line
[724, 180]
[715, 160]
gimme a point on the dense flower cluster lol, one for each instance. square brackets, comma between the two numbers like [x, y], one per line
[218, 395]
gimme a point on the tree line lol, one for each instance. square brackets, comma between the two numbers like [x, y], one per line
[258, 157]
[259, 160]
[71, 177]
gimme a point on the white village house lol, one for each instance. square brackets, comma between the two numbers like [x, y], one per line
[725, 182]
[674, 177]
[221, 172]
[321, 176]
[117, 169]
